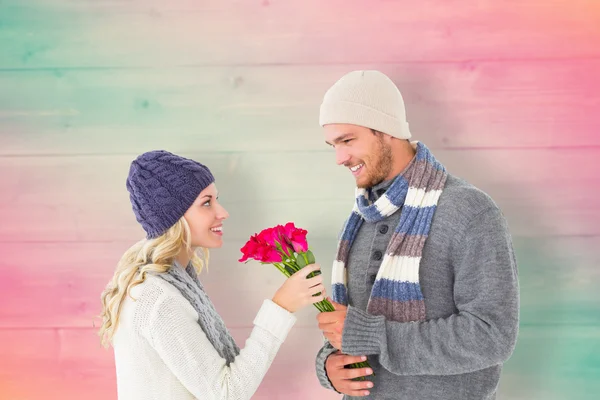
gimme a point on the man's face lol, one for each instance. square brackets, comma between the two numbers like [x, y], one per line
[365, 153]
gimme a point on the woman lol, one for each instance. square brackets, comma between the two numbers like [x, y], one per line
[169, 342]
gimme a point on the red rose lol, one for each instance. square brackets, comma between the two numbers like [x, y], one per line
[269, 254]
[286, 244]
[259, 248]
[273, 244]
[297, 237]
[250, 248]
[276, 236]
[268, 236]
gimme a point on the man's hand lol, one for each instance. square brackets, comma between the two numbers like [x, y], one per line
[332, 324]
[341, 378]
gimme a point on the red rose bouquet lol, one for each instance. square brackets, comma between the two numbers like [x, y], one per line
[287, 249]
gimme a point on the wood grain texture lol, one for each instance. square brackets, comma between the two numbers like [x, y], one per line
[61, 33]
[73, 363]
[455, 105]
[506, 95]
[542, 192]
[61, 287]
[58, 364]
[554, 363]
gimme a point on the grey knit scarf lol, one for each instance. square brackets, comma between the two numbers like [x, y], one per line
[187, 282]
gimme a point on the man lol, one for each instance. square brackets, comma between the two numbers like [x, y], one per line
[425, 280]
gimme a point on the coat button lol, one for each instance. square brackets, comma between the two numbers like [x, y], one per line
[377, 255]
[383, 229]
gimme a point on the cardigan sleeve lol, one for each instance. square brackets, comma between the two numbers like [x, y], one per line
[186, 350]
[320, 361]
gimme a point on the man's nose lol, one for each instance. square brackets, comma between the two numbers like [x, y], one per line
[341, 157]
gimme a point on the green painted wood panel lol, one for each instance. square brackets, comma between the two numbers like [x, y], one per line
[449, 105]
[98, 34]
[507, 95]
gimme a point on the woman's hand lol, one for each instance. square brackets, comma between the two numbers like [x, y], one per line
[297, 291]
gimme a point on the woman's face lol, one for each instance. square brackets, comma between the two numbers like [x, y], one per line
[205, 218]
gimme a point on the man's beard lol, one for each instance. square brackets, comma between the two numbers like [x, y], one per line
[381, 166]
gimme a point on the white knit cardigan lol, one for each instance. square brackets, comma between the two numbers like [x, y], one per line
[162, 353]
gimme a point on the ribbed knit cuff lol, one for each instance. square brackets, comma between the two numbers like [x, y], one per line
[325, 352]
[362, 333]
[275, 319]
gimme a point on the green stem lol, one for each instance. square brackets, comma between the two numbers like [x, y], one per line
[293, 266]
[324, 306]
[281, 269]
[305, 258]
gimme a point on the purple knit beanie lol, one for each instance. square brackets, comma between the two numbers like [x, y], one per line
[162, 186]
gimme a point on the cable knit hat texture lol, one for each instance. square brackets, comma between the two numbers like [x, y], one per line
[366, 98]
[162, 186]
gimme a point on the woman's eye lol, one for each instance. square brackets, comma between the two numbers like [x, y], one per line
[206, 204]
[347, 140]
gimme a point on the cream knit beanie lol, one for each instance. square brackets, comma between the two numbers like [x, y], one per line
[369, 99]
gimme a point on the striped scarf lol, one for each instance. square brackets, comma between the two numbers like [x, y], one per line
[396, 291]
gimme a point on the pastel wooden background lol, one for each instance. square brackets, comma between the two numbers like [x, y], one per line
[506, 93]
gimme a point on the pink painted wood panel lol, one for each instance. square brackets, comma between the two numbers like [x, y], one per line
[183, 32]
[58, 364]
[507, 96]
[61, 284]
[449, 105]
[68, 364]
[542, 192]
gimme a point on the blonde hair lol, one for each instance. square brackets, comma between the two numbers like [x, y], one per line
[148, 255]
